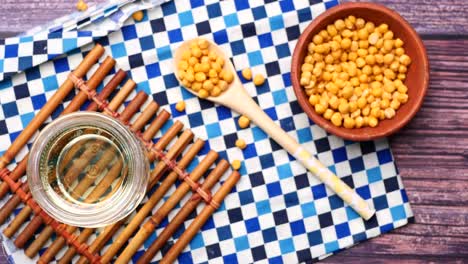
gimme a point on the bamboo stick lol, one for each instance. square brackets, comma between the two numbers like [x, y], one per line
[182, 164]
[132, 108]
[90, 59]
[58, 227]
[196, 174]
[170, 134]
[18, 221]
[101, 240]
[92, 84]
[20, 170]
[36, 222]
[124, 92]
[28, 231]
[107, 181]
[148, 228]
[16, 174]
[162, 143]
[83, 185]
[44, 236]
[93, 106]
[126, 115]
[68, 256]
[175, 150]
[161, 119]
[58, 243]
[182, 215]
[106, 92]
[156, 125]
[40, 240]
[14, 200]
[149, 111]
[109, 154]
[200, 220]
[79, 164]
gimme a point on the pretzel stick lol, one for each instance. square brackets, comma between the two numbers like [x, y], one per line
[20, 170]
[183, 213]
[200, 220]
[83, 185]
[148, 228]
[162, 143]
[59, 242]
[182, 164]
[146, 209]
[36, 222]
[50, 106]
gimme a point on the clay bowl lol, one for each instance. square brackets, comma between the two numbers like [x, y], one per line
[417, 76]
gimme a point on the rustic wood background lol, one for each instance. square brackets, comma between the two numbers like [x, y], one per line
[431, 152]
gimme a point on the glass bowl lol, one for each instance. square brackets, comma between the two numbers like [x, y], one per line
[87, 169]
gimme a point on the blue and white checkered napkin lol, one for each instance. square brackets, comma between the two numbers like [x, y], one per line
[277, 212]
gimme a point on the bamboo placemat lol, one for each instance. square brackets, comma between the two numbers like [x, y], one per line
[168, 163]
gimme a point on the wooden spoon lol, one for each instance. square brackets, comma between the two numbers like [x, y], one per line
[236, 98]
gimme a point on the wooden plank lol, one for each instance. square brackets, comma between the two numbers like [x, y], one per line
[376, 259]
[433, 145]
[428, 17]
[21, 15]
[410, 245]
[435, 192]
[432, 156]
[447, 17]
[431, 152]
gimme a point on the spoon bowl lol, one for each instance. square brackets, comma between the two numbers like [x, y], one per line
[234, 90]
[237, 98]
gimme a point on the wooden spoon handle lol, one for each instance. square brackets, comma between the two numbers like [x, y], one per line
[244, 104]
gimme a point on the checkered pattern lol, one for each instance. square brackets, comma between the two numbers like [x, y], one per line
[277, 213]
[46, 42]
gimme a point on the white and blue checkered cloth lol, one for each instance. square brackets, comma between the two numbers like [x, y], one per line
[277, 213]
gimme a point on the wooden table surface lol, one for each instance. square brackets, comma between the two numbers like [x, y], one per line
[431, 152]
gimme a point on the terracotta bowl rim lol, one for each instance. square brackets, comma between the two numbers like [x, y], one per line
[353, 134]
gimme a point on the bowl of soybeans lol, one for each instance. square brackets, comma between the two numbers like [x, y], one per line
[360, 71]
